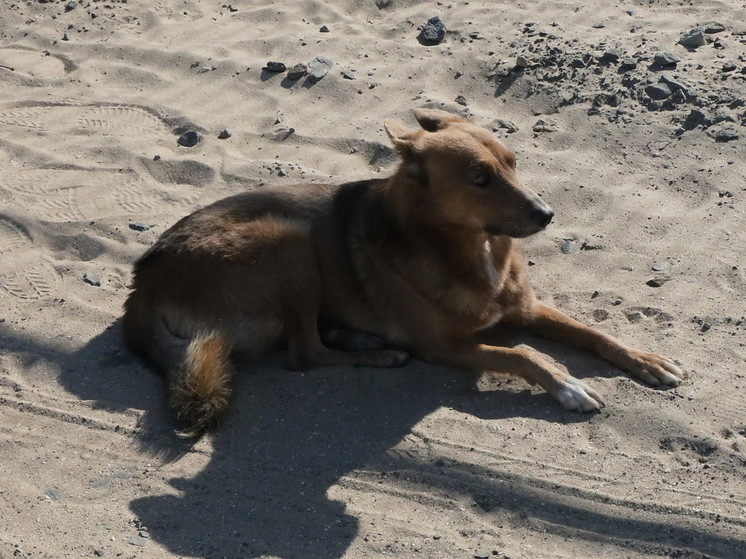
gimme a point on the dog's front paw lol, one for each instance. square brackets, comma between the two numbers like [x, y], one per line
[578, 396]
[654, 369]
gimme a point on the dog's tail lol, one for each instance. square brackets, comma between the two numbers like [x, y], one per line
[198, 369]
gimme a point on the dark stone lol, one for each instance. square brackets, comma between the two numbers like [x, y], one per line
[433, 32]
[713, 27]
[672, 84]
[189, 139]
[136, 226]
[324, 29]
[297, 72]
[656, 282]
[461, 100]
[724, 134]
[694, 38]
[275, 67]
[70, 6]
[611, 55]
[729, 66]
[658, 91]
[628, 63]
[666, 59]
[225, 134]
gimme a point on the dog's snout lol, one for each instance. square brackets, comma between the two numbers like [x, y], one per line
[542, 214]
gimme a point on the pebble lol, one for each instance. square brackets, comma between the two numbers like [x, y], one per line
[70, 6]
[433, 32]
[225, 134]
[568, 247]
[92, 279]
[725, 134]
[298, 71]
[713, 27]
[658, 91]
[348, 75]
[189, 139]
[324, 29]
[729, 66]
[156, 157]
[656, 282]
[628, 64]
[693, 38]
[666, 59]
[504, 124]
[611, 55]
[138, 541]
[461, 100]
[521, 62]
[672, 84]
[275, 67]
[319, 67]
[137, 226]
[542, 125]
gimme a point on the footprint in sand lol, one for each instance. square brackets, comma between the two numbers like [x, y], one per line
[23, 273]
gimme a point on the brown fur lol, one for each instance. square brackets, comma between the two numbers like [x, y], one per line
[424, 260]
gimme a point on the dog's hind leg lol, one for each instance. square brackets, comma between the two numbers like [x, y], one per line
[648, 367]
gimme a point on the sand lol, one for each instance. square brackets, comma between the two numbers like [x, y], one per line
[648, 244]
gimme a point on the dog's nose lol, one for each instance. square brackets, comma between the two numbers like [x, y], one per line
[542, 215]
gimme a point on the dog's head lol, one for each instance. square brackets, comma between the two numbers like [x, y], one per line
[465, 176]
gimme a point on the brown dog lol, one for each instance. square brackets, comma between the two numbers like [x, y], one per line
[424, 259]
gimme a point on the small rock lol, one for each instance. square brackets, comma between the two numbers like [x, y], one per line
[348, 75]
[70, 6]
[137, 226]
[712, 27]
[92, 279]
[628, 63]
[656, 282]
[324, 29]
[53, 494]
[319, 67]
[568, 247]
[504, 124]
[660, 266]
[189, 139]
[433, 32]
[98, 552]
[611, 55]
[673, 85]
[724, 134]
[521, 62]
[277, 67]
[542, 125]
[139, 541]
[666, 59]
[65, 37]
[658, 91]
[156, 157]
[461, 100]
[694, 38]
[297, 72]
[457, 75]
[706, 326]
[729, 66]
[225, 134]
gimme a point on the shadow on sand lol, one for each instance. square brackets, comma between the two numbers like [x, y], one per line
[290, 437]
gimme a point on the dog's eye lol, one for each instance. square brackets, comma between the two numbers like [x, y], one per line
[481, 180]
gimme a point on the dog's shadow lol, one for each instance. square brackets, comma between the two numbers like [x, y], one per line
[287, 439]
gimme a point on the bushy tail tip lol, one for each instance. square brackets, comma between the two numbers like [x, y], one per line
[200, 387]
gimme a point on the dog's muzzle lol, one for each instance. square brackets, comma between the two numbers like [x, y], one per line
[541, 214]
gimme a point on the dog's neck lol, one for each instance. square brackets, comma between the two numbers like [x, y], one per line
[457, 253]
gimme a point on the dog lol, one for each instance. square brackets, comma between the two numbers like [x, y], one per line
[418, 263]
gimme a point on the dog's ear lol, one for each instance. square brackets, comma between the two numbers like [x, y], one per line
[401, 137]
[433, 120]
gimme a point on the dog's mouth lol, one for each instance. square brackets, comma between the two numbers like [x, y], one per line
[515, 233]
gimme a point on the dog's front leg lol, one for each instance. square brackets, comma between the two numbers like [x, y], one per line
[648, 367]
[572, 393]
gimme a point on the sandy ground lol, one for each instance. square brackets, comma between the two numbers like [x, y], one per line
[343, 462]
